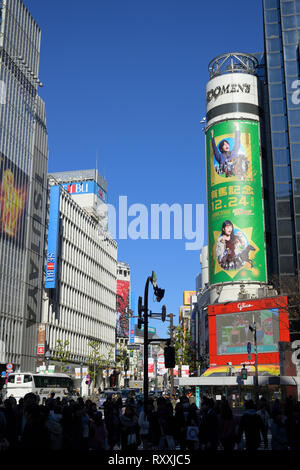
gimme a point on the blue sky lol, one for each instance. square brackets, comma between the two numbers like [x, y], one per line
[124, 84]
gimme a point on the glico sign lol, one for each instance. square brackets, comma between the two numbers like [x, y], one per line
[230, 335]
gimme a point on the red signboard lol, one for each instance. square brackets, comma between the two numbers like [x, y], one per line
[230, 330]
[122, 320]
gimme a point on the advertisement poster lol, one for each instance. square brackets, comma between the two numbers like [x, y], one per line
[235, 204]
[13, 201]
[122, 320]
[233, 331]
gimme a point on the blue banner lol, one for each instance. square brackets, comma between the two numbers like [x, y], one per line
[53, 232]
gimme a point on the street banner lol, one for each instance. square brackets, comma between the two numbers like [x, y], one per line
[235, 203]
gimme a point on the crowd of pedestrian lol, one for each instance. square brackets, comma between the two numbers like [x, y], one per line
[67, 424]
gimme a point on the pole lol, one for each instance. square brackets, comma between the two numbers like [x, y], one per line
[171, 315]
[256, 367]
[81, 379]
[146, 382]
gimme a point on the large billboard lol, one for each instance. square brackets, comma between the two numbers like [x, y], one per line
[122, 307]
[13, 201]
[230, 332]
[53, 238]
[235, 204]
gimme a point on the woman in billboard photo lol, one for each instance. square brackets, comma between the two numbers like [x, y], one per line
[230, 162]
[232, 250]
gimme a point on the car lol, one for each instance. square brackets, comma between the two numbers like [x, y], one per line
[103, 397]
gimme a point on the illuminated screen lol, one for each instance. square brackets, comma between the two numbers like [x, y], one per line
[233, 332]
[13, 201]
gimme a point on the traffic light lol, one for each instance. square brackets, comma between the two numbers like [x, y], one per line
[163, 313]
[244, 373]
[140, 311]
[126, 364]
[87, 379]
[169, 353]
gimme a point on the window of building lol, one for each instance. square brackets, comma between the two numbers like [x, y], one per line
[281, 157]
[273, 30]
[297, 205]
[277, 90]
[278, 123]
[283, 209]
[289, 22]
[294, 133]
[280, 140]
[290, 37]
[290, 52]
[286, 264]
[291, 68]
[286, 246]
[278, 106]
[295, 151]
[296, 169]
[282, 173]
[274, 59]
[287, 8]
[285, 227]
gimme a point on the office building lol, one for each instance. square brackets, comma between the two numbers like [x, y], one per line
[23, 186]
[81, 270]
[282, 36]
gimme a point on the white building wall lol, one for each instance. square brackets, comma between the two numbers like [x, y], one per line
[83, 308]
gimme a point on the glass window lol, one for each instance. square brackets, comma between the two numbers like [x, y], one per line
[272, 16]
[286, 246]
[298, 20]
[285, 227]
[283, 191]
[295, 151]
[287, 8]
[283, 209]
[273, 45]
[277, 91]
[296, 169]
[280, 139]
[276, 75]
[274, 59]
[282, 173]
[294, 117]
[290, 37]
[287, 264]
[297, 207]
[278, 106]
[289, 22]
[296, 184]
[292, 84]
[290, 52]
[291, 68]
[293, 98]
[273, 30]
[297, 6]
[294, 133]
[278, 123]
[281, 157]
[297, 223]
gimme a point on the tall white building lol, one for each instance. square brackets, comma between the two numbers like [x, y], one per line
[81, 268]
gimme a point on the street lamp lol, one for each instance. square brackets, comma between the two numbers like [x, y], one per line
[253, 330]
[47, 358]
[159, 293]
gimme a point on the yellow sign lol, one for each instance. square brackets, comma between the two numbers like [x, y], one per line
[187, 296]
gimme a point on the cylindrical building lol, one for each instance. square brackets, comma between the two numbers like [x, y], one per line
[236, 241]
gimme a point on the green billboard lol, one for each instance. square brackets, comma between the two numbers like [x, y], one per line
[235, 205]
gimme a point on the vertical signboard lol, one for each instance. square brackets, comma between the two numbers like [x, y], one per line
[13, 201]
[53, 233]
[235, 204]
[122, 307]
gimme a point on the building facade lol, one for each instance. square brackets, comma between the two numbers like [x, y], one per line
[81, 271]
[23, 186]
[282, 36]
